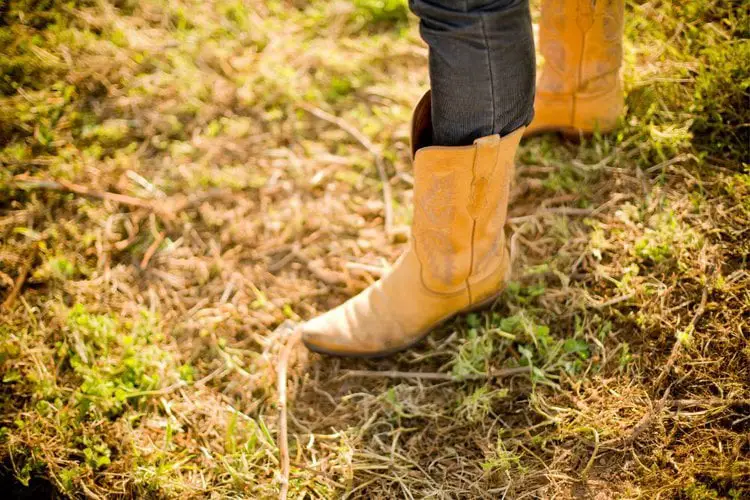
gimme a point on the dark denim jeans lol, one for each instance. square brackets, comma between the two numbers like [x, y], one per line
[482, 66]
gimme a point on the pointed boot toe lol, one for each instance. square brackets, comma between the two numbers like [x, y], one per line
[364, 326]
[329, 334]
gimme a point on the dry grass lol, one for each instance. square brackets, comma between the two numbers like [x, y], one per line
[174, 194]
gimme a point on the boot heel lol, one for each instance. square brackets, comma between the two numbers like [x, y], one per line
[572, 134]
[482, 305]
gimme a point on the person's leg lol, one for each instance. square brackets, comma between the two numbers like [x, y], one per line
[482, 66]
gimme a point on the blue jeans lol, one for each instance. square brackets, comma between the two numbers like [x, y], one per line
[482, 66]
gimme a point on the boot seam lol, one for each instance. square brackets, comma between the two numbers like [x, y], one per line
[579, 72]
[579, 94]
[473, 223]
[587, 81]
[424, 286]
[479, 278]
[471, 262]
[579, 69]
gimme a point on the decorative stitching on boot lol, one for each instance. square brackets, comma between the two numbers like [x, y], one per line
[439, 252]
[432, 230]
[439, 200]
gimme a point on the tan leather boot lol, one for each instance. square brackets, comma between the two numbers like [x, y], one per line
[457, 258]
[579, 90]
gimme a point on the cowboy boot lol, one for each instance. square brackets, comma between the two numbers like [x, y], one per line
[456, 260]
[579, 90]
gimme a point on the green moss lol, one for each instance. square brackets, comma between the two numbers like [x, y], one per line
[116, 366]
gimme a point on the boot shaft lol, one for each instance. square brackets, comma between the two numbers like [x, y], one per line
[581, 41]
[460, 205]
[456, 262]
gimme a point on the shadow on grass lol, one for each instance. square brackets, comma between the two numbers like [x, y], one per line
[38, 488]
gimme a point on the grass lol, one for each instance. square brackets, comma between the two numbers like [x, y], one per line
[139, 356]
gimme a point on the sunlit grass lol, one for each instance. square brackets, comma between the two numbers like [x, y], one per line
[139, 357]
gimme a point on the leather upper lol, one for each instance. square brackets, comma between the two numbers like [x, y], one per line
[579, 87]
[456, 257]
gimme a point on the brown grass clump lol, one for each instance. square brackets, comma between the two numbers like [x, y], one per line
[182, 182]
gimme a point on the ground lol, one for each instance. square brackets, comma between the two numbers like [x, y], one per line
[181, 182]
